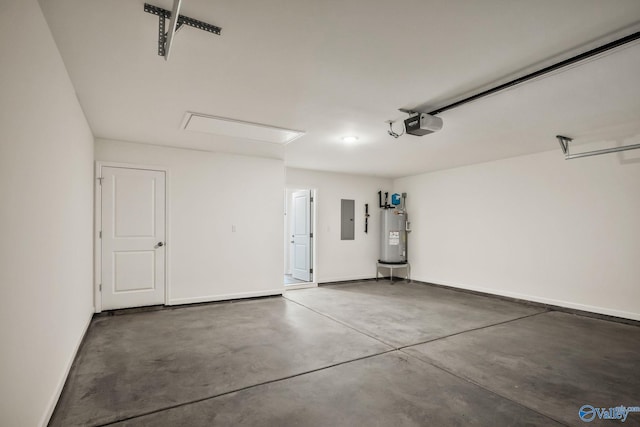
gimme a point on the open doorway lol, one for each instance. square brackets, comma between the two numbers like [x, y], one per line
[299, 238]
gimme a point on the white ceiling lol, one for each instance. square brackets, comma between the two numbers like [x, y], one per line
[336, 68]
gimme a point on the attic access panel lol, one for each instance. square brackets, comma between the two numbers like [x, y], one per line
[225, 126]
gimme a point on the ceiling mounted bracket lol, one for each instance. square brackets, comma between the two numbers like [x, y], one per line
[564, 144]
[164, 37]
[410, 112]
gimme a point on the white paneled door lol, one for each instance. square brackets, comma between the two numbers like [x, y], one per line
[301, 233]
[133, 237]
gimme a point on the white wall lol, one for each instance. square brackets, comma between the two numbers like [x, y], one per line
[208, 194]
[46, 222]
[536, 227]
[343, 259]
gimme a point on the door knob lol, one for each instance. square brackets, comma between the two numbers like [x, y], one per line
[160, 244]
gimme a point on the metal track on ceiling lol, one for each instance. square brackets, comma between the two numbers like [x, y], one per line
[164, 14]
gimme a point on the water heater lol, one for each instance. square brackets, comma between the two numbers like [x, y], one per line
[393, 239]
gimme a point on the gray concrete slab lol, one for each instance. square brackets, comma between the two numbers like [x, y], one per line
[402, 314]
[387, 390]
[137, 363]
[553, 363]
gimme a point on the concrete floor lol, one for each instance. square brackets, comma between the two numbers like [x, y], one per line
[365, 353]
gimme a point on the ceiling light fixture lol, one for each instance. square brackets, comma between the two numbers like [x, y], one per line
[349, 139]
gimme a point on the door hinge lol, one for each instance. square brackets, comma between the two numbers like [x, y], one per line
[100, 237]
[100, 180]
[311, 235]
[100, 287]
[311, 199]
[311, 270]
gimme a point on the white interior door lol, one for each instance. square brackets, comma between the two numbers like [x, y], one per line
[133, 234]
[301, 233]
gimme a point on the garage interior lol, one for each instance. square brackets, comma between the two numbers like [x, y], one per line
[164, 165]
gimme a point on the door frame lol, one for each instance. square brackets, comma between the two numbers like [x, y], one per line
[97, 225]
[314, 228]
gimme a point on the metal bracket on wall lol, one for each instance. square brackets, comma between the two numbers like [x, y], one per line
[366, 217]
[564, 144]
[164, 14]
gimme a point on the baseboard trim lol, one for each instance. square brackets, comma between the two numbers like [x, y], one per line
[552, 304]
[346, 282]
[63, 380]
[212, 298]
